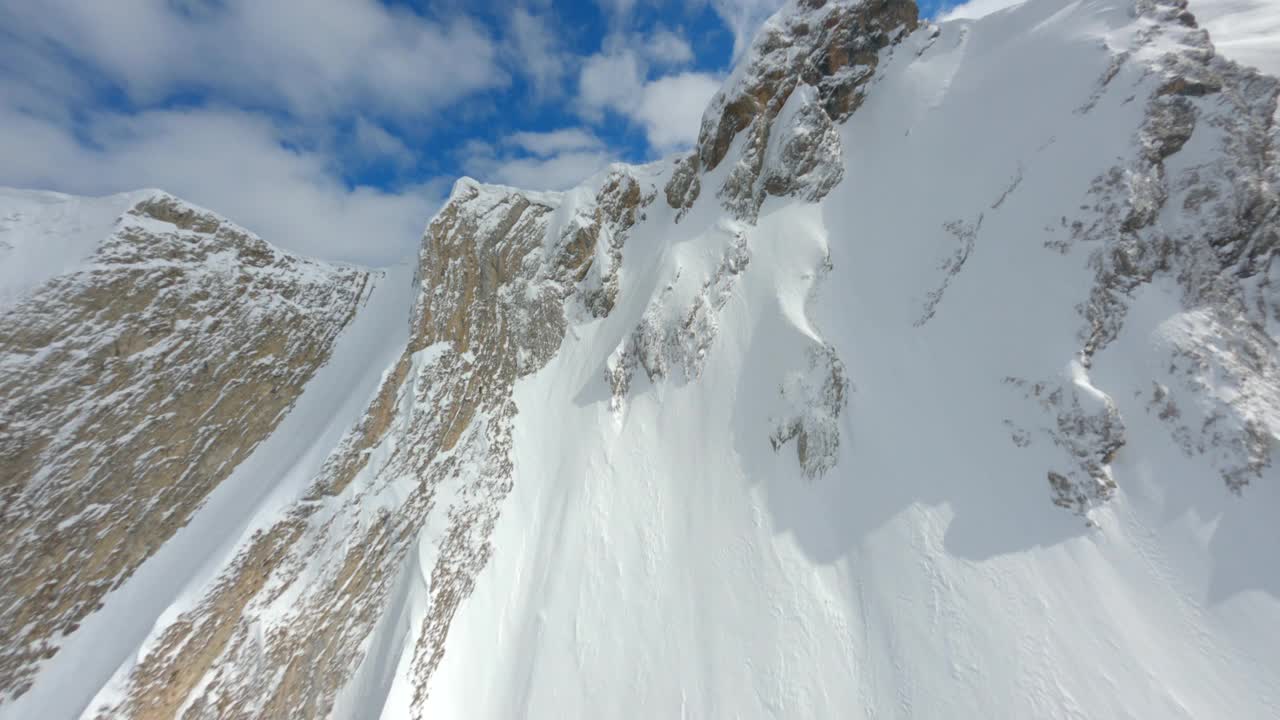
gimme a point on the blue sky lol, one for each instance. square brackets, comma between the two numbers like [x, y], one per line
[335, 127]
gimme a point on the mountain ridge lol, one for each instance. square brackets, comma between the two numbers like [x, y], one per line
[751, 418]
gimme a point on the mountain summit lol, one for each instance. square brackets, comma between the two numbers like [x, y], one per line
[940, 379]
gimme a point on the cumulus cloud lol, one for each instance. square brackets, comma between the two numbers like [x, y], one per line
[611, 80]
[274, 113]
[670, 108]
[667, 107]
[554, 160]
[666, 47]
[537, 52]
[374, 144]
[558, 172]
[257, 110]
[308, 57]
[554, 142]
[744, 18]
[234, 162]
[617, 10]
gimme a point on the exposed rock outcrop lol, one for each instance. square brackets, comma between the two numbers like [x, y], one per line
[822, 52]
[815, 397]
[675, 334]
[602, 235]
[1085, 425]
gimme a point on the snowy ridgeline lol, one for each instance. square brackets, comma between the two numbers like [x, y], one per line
[938, 380]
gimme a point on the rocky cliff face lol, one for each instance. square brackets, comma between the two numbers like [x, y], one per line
[833, 420]
[130, 389]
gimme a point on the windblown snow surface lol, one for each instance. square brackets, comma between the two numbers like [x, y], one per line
[820, 491]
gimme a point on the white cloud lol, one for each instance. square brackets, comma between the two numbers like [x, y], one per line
[610, 81]
[264, 149]
[537, 52]
[671, 109]
[666, 47]
[295, 95]
[35, 82]
[744, 18]
[307, 57]
[375, 144]
[617, 10]
[555, 160]
[543, 144]
[558, 172]
[230, 161]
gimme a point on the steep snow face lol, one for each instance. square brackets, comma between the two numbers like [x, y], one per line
[986, 432]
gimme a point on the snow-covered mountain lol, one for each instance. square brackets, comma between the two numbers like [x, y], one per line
[939, 380]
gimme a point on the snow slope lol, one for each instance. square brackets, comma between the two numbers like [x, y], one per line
[664, 561]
